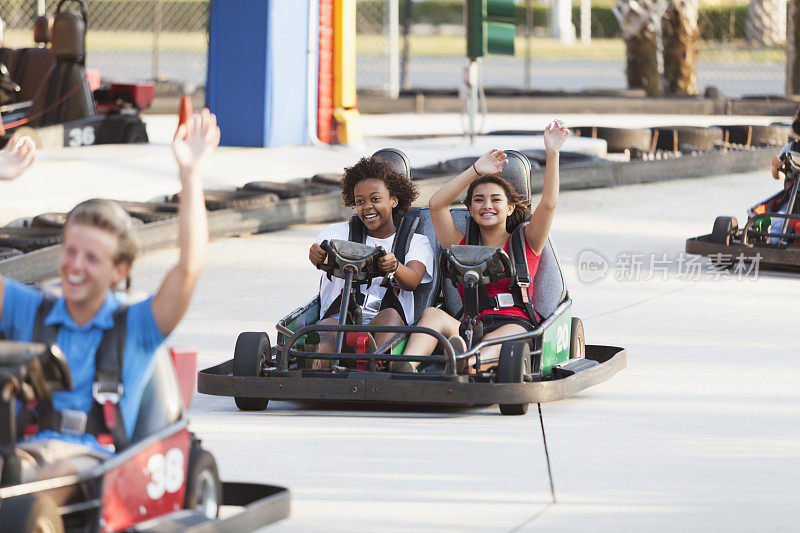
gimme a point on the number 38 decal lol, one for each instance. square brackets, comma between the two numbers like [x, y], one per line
[562, 338]
[166, 473]
[81, 136]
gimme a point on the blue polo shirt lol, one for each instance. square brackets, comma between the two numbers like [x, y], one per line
[79, 344]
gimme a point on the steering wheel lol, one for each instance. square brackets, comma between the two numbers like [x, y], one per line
[44, 368]
[360, 259]
[477, 264]
[7, 85]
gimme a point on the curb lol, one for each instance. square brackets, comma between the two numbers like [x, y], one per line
[42, 264]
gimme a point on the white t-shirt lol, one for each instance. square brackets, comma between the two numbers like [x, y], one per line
[419, 250]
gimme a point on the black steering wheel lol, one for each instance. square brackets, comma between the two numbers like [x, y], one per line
[360, 259]
[42, 368]
[481, 265]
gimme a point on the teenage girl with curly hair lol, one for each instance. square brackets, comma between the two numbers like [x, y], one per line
[380, 196]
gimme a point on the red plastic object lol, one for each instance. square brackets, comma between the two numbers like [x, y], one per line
[326, 130]
[185, 362]
[139, 94]
[185, 110]
[93, 77]
[359, 340]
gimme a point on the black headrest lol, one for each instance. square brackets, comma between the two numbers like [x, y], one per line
[398, 159]
[518, 173]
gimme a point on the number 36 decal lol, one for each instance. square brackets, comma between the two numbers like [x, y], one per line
[166, 473]
[562, 338]
[81, 136]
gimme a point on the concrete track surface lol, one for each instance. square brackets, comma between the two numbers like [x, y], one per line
[700, 433]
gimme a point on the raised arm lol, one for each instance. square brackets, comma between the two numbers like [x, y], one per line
[192, 144]
[491, 162]
[542, 219]
[16, 157]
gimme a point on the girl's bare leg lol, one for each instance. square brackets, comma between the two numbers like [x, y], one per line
[387, 317]
[492, 353]
[435, 319]
[327, 340]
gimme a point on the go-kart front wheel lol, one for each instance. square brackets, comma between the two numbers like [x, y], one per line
[203, 487]
[725, 228]
[249, 359]
[30, 513]
[514, 365]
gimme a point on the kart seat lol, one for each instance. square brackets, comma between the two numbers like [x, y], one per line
[51, 458]
[425, 293]
[162, 403]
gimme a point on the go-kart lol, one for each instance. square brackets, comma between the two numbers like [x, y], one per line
[771, 235]
[46, 93]
[163, 481]
[547, 364]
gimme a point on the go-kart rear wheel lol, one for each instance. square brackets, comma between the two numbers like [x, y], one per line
[31, 513]
[203, 487]
[249, 359]
[725, 229]
[514, 365]
[577, 340]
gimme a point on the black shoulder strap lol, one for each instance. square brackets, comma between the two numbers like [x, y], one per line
[522, 278]
[41, 333]
[108, 381]
[405, 232]
[357, 231]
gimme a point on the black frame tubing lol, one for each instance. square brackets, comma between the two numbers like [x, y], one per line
[748, 231]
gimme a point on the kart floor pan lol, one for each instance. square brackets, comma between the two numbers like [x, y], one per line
[411, 388]
[770, 256]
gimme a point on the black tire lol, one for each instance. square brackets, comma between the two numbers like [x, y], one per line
[135, 133]
[49, 220]
[29, 239]
[620, 139]
[150, 211]
[725, 229]
[203, 486]
[687, 136]
[289, 189]
[30, 513]
[328, 178]
[216, 200]
[514, 365]
[8, 253]
[249, 359]
[577, 340]
[752, 135]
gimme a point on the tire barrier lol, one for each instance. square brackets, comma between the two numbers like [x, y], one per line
[8, 253]
[216, 200]
[618, 140]
[751, 135]
[30, 238]
[328, 178]
[151, 211]
[286, 190]
[678, 138]
[41, 264]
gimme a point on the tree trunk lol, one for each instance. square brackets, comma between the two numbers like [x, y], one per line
[680, 33]
[766, 23]
[792, 49]
[642, 67]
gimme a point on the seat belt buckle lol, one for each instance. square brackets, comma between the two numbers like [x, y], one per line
[72, 422]
[103, 397]
[504, 299]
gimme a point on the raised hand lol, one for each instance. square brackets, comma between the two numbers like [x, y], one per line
[554, 136]
[195, 140]
[492, 162]
[16, 157]
[317, 255]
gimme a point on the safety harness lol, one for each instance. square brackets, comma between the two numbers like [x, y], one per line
[406, 226]
[519, 283]
[104, 418]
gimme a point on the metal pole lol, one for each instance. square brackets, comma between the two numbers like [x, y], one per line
[40, 8]
[156, 38]
[528, 44]
[394, 49]
[472, 99]
[586, 22]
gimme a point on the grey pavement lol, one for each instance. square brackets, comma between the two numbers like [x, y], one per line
[701, 432]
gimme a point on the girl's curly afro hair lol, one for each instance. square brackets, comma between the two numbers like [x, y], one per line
[373, 168]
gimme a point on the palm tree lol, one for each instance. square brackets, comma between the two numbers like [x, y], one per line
[640, 22]
[680, 33]
[766, 22]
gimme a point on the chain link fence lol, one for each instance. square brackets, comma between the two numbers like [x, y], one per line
[731, 56]
[129, 40]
